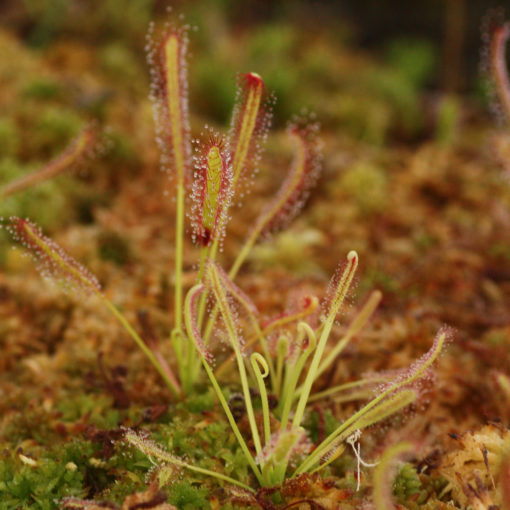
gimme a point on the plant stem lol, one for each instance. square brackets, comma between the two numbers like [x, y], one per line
[257, 360]
[231, 420]
[270, 327]
[193, 334]
[245, 250]
[230, 326]
[341, 291]
[293, 372]
[192, 362]
[360, 394]
[354, 328]
[171, 383]
[151, 450]
[281, 353]
[179, 235]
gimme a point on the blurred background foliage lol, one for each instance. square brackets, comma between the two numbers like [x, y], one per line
[378, 72]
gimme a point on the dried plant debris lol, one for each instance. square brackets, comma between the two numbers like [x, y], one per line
[152, 499]
[475, 470]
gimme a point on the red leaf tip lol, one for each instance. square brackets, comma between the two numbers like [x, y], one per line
[251, 80]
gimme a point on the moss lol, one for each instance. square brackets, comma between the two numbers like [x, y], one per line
[330, 423]
[368, 185]
[42, 88]
[97, 409]
[29, 482]
[114, 248]
[55, 126]
[407, 483]
[419, 492]
[200, 402]
[186, 496]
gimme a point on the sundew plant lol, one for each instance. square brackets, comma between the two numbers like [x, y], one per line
[282, 358]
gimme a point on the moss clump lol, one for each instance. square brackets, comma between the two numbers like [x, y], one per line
[55, 127]
[187, 496]
[407, 483]
[114, 248]
[368, 185]
[323, 424]
[200, 402]
[42, 89]
[29, 482]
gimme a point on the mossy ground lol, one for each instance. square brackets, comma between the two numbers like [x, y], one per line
[425, 202]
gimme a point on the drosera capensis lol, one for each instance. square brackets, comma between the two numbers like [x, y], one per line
[284, 451]
[289, 354]
[281, 448]
[211, 191]
[215, 173]
[250, 123]
[210, 177]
